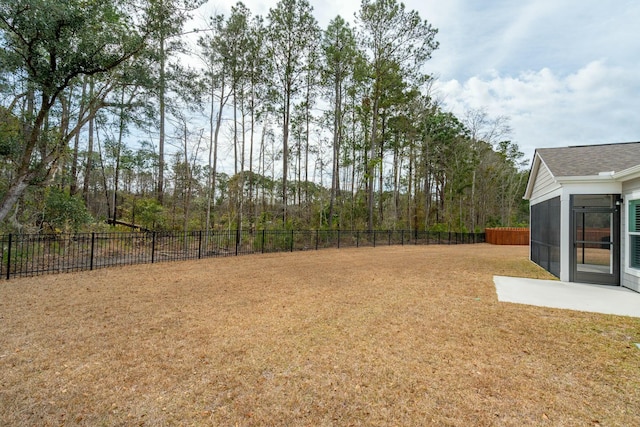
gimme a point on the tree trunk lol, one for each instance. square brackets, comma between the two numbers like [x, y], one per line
[104, 176]
[73, 187]
[187, 195]
[162, 106]
[285, 152]
[251, 136]
[24, 173]
[371, 166]
[214, 131]
[396, 178]
[242, 174]
[381, 170]
[335, 165]
[116, 178]
[89, 162]
[306, 140]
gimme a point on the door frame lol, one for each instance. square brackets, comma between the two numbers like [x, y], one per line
[593, 277]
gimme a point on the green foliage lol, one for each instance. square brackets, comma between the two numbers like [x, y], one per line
[10, 133]
[150, 214]
[45, 47]
[385, 153]
[63, 212]
[440, 228]
[54, 41]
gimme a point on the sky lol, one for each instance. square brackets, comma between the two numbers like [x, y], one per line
[565, 72]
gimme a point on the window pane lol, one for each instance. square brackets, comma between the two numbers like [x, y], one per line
[593, 226]
[593, 258]
[592, 200]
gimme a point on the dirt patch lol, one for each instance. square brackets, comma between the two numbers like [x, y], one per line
[370, 336]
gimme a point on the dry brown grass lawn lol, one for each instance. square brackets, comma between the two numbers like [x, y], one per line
[406, 336]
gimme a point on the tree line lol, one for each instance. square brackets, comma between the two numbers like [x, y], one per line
[110, 114]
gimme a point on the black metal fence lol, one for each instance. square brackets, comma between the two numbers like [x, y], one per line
[36, 254]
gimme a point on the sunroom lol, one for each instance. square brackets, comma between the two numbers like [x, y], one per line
[585, 213]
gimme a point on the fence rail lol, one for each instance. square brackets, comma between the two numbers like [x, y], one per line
[37, 254]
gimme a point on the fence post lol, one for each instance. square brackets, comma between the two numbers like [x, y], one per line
[317, 237]
[93, 242]
[357, 238]
[389, 237]
[237, 239]
[374, 238]
[402, 238]
[338, 238]
[153, 246]
[291, 240]
[9, 257]
[263, 240]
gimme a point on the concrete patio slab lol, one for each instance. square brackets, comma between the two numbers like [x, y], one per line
[571, 296]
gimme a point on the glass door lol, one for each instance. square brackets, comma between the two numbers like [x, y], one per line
[595, 257]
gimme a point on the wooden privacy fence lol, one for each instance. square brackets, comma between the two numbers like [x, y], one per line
[593, 234]
[507, 236]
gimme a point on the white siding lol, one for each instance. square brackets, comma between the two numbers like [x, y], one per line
[544, 183]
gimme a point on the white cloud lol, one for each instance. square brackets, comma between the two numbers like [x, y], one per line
[592, 105]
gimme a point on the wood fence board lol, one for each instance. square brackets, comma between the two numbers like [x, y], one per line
[508, 236]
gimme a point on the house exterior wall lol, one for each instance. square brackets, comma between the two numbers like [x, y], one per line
[609, 170]
[629, 277]
[573, 188]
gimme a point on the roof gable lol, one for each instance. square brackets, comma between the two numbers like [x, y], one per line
[539, 176]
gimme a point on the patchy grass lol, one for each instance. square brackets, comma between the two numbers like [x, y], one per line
[371, 336]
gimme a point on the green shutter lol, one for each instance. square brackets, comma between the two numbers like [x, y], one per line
[634, 216]
[634, 239]
[634, 244]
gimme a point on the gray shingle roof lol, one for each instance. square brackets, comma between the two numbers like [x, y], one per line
[584, 160]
